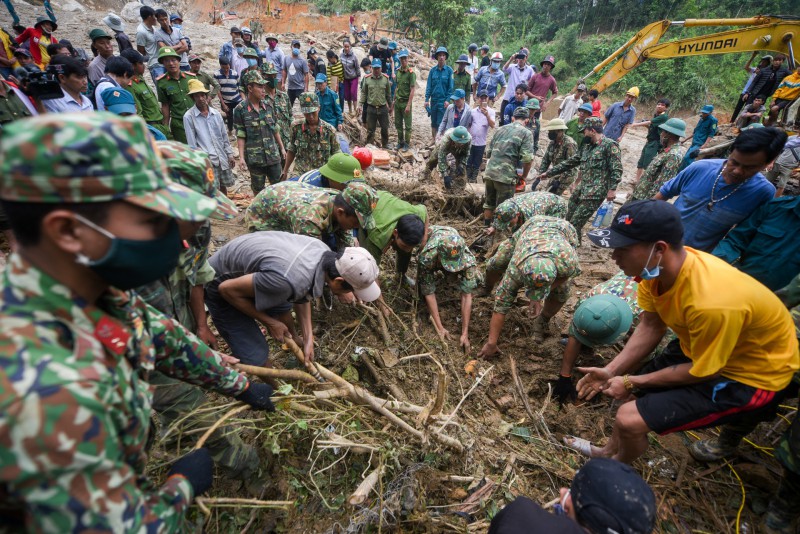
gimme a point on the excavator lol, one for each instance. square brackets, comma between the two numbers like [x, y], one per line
[766, 33]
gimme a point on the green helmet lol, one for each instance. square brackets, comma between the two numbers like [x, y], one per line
[460, 135]
[342, 168]
[533, 103]
[674, 126]
[601, 320]
[250, 52]
[91, 157]
[193, 169]
[309, 102]
[363, 199]
[166, 51]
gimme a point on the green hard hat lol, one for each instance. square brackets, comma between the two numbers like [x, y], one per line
[601, 320]
[363, 199]
[309, 102]
[460, 135]
[250, 52]
[342, 168]
[533, 103]
[193, 169]
[67, 158]
[674, 126]
[166, 51]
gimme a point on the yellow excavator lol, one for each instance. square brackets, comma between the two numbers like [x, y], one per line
[762, 33]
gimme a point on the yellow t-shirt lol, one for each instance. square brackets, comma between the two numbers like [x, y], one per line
[727, 323]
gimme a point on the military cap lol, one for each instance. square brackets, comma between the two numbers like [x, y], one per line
[118, 100]
[268, 69]
[253, 76]
[376, 64]
[451, 253]
[342, 168]
[521, 113]
[540, 271]
[194, 57]
[166, 51]
[594, 123]
[675, 126]
[363, 199]
[460, 135]
[98, 33]
[587, 107]
[321, 78]
[309, 102]
[505, 212]
[193, 169]
[601, 320]
[67, 158]
[250, 52]
[402, 53]
[533, 103]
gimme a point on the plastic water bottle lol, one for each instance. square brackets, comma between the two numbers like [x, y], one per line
[601, 212]
[609, 216]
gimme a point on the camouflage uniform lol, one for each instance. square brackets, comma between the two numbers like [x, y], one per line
[311, 146]
[601, 171]
[75, 402]
[279, 102]
[175, 94]
[538, 253]
[662, 168]
[510, 144]
[445, 146]
[257, 127]
[528, 205]
[446, 251]
[302, 209]
[555, 154]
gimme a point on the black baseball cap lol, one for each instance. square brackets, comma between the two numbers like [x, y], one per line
[610, 496]
[642, 221]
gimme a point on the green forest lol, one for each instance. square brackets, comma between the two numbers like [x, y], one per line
[581, 33]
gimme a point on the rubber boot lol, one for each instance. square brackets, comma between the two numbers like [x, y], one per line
[541, 328]
[715, 449]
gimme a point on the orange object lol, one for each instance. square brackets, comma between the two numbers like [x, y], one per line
[520, 186]
[381, 158]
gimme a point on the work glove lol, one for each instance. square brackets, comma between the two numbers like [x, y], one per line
[197, 467]
[564, 390]
[553, 186]
[447, 181]
[258, 396]
[535, 184]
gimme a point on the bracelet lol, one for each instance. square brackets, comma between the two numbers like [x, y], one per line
[626, 381]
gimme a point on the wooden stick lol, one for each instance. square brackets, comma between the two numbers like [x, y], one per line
[216, 425]
[398, 393]
[300, 355]
[520, 388]
[365, 488]
[467, 394]
[231, 501]
[286, 374]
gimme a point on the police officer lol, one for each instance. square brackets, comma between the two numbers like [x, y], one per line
[173, 92]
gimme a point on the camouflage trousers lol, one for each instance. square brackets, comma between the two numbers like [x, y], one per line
[259, 174]
[579, 212]
[173, 400]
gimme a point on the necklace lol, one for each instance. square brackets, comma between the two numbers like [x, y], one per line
[710, 205]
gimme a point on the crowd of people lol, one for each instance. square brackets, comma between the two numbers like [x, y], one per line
[108, 185]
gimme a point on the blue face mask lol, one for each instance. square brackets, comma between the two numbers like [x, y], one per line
[495, 65]
[295, 51]
[252, 62]
[240, 49]
[650, 274]
[133, 263]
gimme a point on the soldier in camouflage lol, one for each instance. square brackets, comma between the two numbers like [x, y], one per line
[511, 144]
[447, 252]
[311, 141]
[666, 164]
[257, 133]
[541, 258]
[180, 296]
[455, 142]
[784, 507]
[600, 162]
[303, 209]
[94, 215]
[279, 101]
[512, 214]
[598, 322]
[561, 148]
[173, 92]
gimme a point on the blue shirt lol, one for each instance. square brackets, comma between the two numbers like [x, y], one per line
[311, 178]
[765, 245]
[489, 81]
[512, 105]
[329, 110]
[617, 118]
[440, 84]
[704, 228]
[705, 128]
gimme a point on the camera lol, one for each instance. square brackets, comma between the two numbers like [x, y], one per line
[44, 85]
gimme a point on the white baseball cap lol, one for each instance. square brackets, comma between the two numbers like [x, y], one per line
[358, 268]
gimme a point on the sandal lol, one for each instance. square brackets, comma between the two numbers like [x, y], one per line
[581, 445]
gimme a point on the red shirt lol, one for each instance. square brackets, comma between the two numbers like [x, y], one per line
[38, 45]
[596, 108]
[540, 85]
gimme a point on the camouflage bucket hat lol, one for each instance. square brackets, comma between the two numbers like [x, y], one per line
[363, 199]
[91, 157]
[253, 76]
[521, 113]
[504, 213]
[309, 102]
[267, 68]
[594, 123]
[193, 169]
[452, 253]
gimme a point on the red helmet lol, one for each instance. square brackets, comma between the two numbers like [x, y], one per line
[364, 156]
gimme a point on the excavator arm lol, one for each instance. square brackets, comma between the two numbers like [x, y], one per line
[763, 33]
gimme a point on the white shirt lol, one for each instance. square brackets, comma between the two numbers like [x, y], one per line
[146, 38]
[569, 107]
[473, 66]
[98, 91]
[67, 104]
[209, 134]
[479, 129]
[238, 63]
